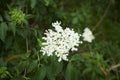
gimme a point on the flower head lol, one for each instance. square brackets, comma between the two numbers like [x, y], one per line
[87, 35]
[60, 41]
[17, 15]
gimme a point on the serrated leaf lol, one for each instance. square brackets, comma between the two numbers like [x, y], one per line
[3, 30]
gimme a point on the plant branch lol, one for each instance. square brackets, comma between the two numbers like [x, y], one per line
[114, 67]
[102, 18]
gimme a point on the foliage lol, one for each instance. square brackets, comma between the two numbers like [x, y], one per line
[23, 22]
[3, 72]
[86, 64]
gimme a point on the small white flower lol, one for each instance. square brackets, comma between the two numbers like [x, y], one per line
[87, 35]
[57, 26]
[60, 42]
[62, 57]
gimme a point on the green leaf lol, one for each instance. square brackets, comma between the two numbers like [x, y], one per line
[8, 42]
[24, 65]
[68, 73]
[75, 20]
[1, 19]
[27, 55]
[3, 72]
[33, 3]
[39, 74]
[77, 57]
[7, 17]
[12, 27]
[39, 42]
[18, 78]
[47, 2]
[35, 32]
[56, 68]
[87, 70]
[72, 73]
[42, 73]
[29, 16]
[50, 72]
[32, 66]
[2, 62]
[23, 33]
[3, 30]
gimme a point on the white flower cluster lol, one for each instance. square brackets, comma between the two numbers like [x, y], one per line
[87, 35]
[61, 41]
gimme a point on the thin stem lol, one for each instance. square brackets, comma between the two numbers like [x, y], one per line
[114, 67]
[38, 59]
[27, 47]
[102, 18]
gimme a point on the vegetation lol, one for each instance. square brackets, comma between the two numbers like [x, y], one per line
[22, 26]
